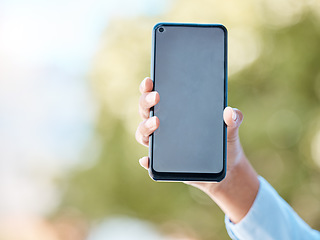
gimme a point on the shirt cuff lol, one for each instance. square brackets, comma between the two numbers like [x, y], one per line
[271, 217]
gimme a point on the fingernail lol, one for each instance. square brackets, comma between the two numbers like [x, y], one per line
[143, 82]
[140, 162]
[151, 97]
[145, 79]
[151, 122]
[234, 115]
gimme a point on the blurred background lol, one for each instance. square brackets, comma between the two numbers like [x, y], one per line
[69, 77]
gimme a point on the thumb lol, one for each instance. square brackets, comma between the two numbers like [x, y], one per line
[233, 118]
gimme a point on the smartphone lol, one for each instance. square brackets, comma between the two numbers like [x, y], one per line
[189, 70]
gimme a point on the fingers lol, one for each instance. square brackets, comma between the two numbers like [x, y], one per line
[144, 162]
[146, 128]
[146, 85]
[233, 118]
[147, 100]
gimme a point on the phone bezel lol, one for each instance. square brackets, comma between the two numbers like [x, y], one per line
[189, 176]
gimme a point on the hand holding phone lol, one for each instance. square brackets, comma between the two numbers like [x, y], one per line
[229, 194]
[232, 118]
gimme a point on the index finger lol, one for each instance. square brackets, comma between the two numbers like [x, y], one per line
[146, 85]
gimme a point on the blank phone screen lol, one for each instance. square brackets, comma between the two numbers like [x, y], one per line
[190, 76]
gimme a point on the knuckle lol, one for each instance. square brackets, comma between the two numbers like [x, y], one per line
[141, 88]
[142, 127]
[141, 112]
[142, 85]
[142, 100]
[144, 113]
[137, 135]
[145, 141]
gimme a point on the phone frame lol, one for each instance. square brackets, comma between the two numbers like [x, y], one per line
[185, 176]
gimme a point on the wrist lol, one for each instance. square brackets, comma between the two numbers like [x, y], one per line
[231, 176]
[237, 192]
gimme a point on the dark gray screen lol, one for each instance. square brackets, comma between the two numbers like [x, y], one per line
[189, 74]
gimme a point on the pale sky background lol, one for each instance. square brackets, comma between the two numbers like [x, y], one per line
[47, 112]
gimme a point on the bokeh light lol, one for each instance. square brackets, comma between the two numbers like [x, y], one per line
[69, 77]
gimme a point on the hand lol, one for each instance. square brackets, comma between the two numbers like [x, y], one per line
[232, 117]
[147, 100]
[239, 170]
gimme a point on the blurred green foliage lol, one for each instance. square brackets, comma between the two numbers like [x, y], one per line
[274, 78]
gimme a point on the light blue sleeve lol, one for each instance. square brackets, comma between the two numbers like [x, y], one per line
[270, 217]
